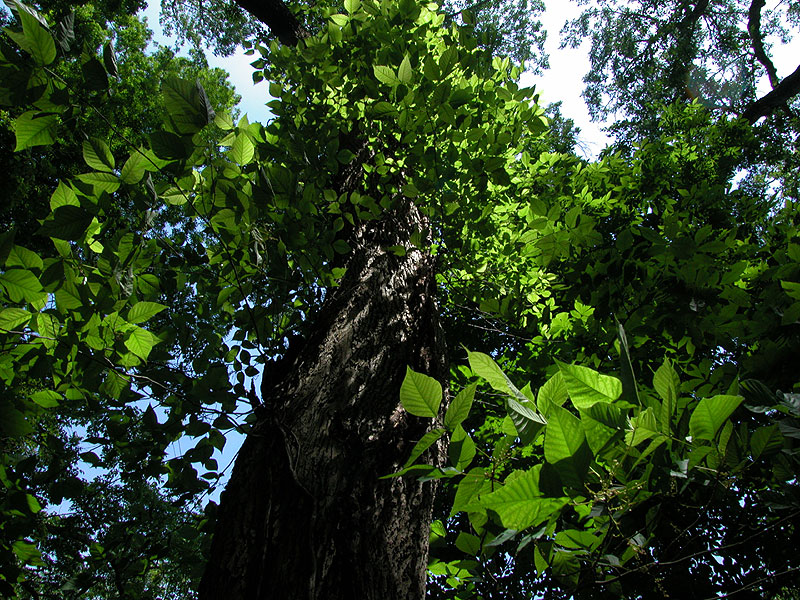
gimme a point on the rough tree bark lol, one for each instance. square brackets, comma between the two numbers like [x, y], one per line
[305, 514]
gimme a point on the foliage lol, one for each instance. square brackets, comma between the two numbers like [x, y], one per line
[142, 334]
[646, 55]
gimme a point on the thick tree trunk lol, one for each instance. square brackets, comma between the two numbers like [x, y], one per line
[305, 514]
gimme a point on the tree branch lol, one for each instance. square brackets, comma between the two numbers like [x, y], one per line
[277, 16]
[754, 29]
[787, 89]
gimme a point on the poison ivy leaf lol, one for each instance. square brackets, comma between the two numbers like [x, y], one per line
[188, 107]
[420, 395]
[37, 40]
[553, 392]
[101, 182]
[109, 60]
[169, 146]
[67, 223]
[242, 151]
[468, 489]
[587, 387]
[385, 75]
[765, 441]
[98, 155]
[405, 74]
[34, 128]
[469, 544]
[461, 449]
[709, 415]
[527, 422]
[565, 447]
[629, 390]
[519, 503]
[94, 75]
[383, 109]
[142, 311]
[460, 407]
[12, 318]
[46, 398]
[65, 32]
[63, 196]
[484, 366]
[19, 256]
[667, 385]
[134, 168]
[140, 342]
[21, 285]
[423, 444]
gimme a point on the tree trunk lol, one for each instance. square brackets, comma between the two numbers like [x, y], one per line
[305, 514]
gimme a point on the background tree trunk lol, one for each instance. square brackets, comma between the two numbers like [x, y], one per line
[305, 514]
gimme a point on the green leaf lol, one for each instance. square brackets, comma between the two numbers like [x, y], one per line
[27, 553]
[552, 393]
[667, 385]
[169, 146]
[527, 421]
[64, 195]
[94, 75]
[98, 155]
[520, 504]
[461, 449]
[765, 441]
[140, 342]
[423, 444]
[420, 395]
[469, 544]
[352, 6]
[142, 311]
[67, 222]
[109, 60]
[34, 128]
[19, 256]
[405, 74]
[188, 107]
[134, 168]
[385, 75]
[46, 398]
[468, 489]
[37, 40]
[21, 285]
[586, 386]
[629, 390]
[383, 109]
[12, 318]
[101, 182]
[565, 447]
[710, 414]
[460, 407]
[242, 151]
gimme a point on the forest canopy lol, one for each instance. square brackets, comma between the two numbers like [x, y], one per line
[464, 361]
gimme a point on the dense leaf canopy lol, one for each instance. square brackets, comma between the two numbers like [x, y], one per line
[623, 420]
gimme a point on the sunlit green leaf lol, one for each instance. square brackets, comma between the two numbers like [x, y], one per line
[460, 406]
[420, 395]
[34, 128]
[586, 386]
[710, 414]
[142, 311]
[423, 444]
[98, 155]
[461, 449]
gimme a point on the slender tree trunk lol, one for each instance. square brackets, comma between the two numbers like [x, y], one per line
[305, 514]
